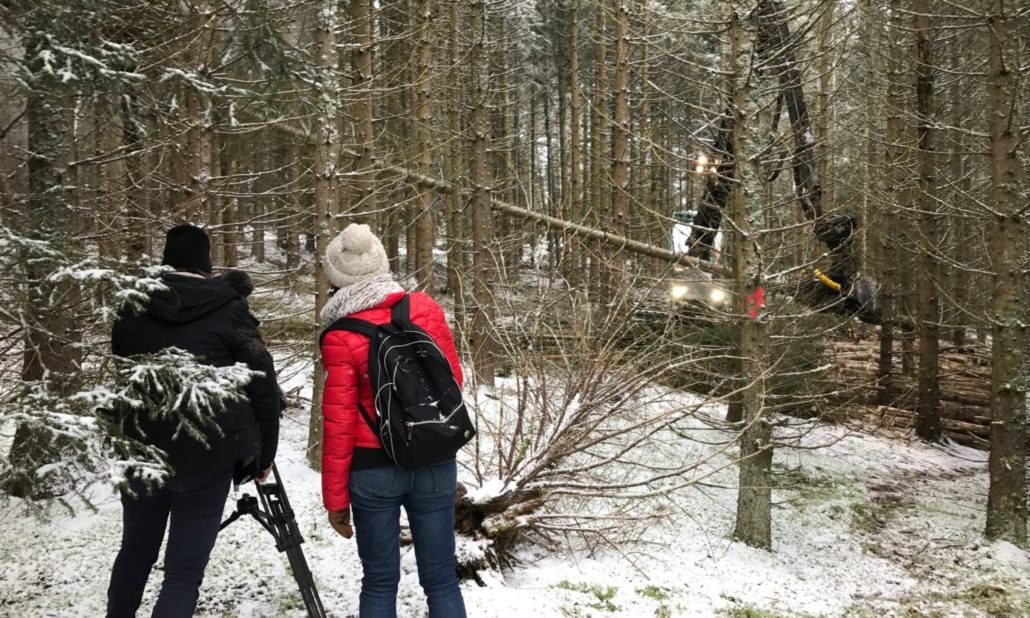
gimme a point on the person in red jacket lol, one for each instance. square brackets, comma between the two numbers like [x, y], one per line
[358, 479]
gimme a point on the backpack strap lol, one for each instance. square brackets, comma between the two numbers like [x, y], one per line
[400, 314]
[373, 425]
[353, 325]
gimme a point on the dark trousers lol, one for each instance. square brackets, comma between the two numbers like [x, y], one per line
[193, 504]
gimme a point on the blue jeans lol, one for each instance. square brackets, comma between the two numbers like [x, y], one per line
[193, 503]
[427, 495]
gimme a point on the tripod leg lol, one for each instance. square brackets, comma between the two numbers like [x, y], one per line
[306, 583]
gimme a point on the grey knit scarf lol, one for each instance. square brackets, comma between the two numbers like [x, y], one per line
[359, 296]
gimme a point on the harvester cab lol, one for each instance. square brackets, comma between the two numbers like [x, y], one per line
[691, 285]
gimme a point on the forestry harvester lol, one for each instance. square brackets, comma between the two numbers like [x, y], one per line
[839, 287]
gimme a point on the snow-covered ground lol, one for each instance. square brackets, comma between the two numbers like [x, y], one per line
[865, 526]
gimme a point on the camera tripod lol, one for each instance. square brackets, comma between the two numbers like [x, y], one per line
[272, 510]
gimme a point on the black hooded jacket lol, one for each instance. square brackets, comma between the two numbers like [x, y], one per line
[211, 320]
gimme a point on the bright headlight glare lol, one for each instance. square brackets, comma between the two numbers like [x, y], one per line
[717, 295]
[678, 291]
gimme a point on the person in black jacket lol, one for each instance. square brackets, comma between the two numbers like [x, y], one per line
[210, 319]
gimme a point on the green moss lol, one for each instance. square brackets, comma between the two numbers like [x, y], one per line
[750, 611]
[856, 611]
[872, 516]
[996, 600]
[863, 517]
[654, 593]
[603, 594]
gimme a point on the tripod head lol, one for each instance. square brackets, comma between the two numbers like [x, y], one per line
[271, 509]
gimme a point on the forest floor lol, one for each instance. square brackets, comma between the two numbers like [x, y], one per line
[865, 525]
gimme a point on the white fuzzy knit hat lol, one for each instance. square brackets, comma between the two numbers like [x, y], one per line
[354, 255]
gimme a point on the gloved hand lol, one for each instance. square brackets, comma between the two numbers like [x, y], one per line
[340, 521]
[263, 475]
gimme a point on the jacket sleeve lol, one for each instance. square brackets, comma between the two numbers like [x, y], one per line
[339, 421]
[263, 392]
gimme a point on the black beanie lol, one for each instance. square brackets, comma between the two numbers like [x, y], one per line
[187, 248]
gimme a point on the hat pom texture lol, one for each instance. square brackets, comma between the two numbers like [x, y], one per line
[354, 255]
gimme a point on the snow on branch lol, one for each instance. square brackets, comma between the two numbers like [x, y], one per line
[173, 385]
[109, 288]
[91, 435]
[79, 61]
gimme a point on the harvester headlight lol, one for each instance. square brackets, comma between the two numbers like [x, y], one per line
[678, 292]
[717, 296]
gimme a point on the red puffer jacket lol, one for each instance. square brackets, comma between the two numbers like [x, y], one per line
[345, 359]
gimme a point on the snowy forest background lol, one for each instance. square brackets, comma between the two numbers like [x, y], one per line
[526, 162]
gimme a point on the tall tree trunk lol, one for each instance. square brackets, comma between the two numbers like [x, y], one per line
[754, 498]
[292, 225]
[1007, 497]
[49, 338]
[423, 117]
[958, 277]
[928, 404]
[455, 220]
[110, 213]
[230, 218]
[483, 267]
[651, 216]
[50, 352]
[361, 59]
[326, 158]
[137, 218]
[888, 231]
[825, 85]
[552, 206]
[564, 173]
[620, 141]
[257, 241]
[573, 253]
[598, 151]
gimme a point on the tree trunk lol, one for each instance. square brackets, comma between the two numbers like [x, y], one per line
[423, 117]
[230, 219]
[1007, 497]
[825, 85]
[138, 222]
[651, 217]
[754, 500]
[50, 335]
[112, 186]
[887, 232]
[361, 58]
[326, 157]
[620, 143]
[573, 252]
[50, 352]
[928, 406]
[483, 267]
[455, 220]
[551, 204]
[598, 152]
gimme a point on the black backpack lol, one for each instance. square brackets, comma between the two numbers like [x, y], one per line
[420, 415]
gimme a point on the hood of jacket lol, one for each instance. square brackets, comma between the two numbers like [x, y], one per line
[188, 298]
